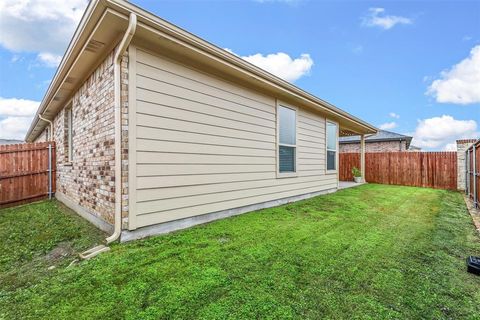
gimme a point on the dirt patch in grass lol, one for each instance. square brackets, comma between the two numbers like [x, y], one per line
[60, 252]
[35, 238]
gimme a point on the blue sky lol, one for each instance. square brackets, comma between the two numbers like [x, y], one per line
[411, 67]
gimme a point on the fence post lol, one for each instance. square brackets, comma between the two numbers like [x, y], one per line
[467, 189]
[362, 157]
[49, 171]
[475, 200]
[466, 172]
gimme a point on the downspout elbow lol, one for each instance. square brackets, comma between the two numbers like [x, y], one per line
[50, 122]
[122, 47]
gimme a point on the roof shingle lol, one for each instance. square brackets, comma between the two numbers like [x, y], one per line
[381, 135]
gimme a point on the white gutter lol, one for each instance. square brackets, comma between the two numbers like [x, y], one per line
[122, 47]
[51, 125]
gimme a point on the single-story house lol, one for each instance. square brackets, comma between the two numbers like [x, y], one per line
[382, 141]
[157, 129]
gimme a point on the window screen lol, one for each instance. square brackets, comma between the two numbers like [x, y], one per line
[331, 146]
[287, 139]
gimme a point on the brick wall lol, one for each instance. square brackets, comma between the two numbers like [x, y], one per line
[384, 146]
[462, 146]
[89, 180]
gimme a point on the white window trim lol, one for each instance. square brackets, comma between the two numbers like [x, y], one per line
[69, 133]
[277, 148]
[326, 148]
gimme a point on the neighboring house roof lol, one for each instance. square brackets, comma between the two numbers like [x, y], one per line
[380, 136]
[10, 141]
[100, 30]
[466, 141]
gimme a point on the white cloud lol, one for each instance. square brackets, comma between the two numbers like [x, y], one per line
[394, 115]
[440, 133]
[16, 58]
[281, 64]
[14, 127]
[43, 26]
[377, 18]
[357, 49]
[450, 147]
[427, 78]
[49, 59]
[388, 126]
[460, 84]
[15, 117]
[17, 107]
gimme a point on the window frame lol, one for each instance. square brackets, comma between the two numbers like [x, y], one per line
[327, 171]
[278, 144]
[69, 133]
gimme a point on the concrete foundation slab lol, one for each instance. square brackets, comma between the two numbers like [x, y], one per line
[81, 211]
[171, 226]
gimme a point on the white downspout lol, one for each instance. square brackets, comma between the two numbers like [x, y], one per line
[51, 125]
[122, 47]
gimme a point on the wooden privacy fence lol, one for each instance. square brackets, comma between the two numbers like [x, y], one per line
[346, 163]
[472, 159]
[27, 172]
[420, 169]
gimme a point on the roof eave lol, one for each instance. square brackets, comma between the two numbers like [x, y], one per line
[377, 140]
[67, 60]
[155, 22]
[202, 46]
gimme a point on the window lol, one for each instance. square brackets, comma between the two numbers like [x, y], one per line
[287, 140]
[331, 146]
[68, 132]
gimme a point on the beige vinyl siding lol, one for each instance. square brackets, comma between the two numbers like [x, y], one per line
[202, 144]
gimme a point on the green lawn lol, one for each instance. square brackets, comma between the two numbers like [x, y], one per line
[373, 251]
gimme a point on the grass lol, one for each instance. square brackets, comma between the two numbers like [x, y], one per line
[373, 251]
[36, 237]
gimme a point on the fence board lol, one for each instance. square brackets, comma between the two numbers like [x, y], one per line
[24, 172]
[421, 169]
[347, 162]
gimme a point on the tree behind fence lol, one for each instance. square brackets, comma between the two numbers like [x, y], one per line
[421, 169]
[24, 172]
